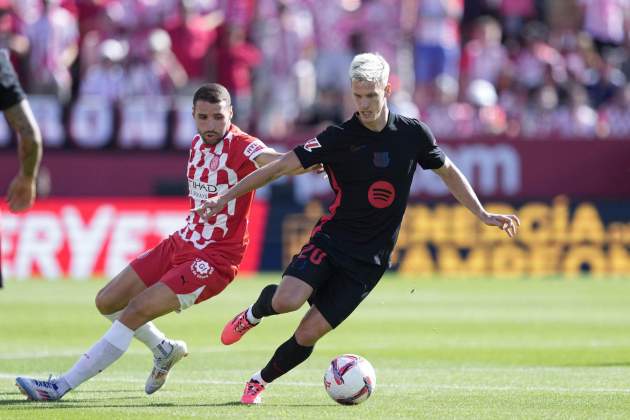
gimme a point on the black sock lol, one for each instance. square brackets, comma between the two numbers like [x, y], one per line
[287, 356]
[262, 307]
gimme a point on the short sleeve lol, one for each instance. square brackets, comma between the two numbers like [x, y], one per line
[430, 156]
[11, 92]
[254, 148]
[243, 161]
[319, 149]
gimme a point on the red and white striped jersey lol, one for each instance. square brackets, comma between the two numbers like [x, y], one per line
[212, 169]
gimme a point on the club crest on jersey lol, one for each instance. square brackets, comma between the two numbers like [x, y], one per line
[312, 144]
[214, 163]
[381, 159]
[201, 269]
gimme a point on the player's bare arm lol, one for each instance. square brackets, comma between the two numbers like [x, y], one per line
[266, 158]
[21, 193]
[461, 189]
[286, 165]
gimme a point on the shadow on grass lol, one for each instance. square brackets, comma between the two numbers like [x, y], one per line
[603, 365]
[107, 391]
[49, 404]
[596, 364]
[103, 391]
[80, 405]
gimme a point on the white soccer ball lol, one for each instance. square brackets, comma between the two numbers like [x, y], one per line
[350, 379]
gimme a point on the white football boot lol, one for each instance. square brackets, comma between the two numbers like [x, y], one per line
[162, 366]
[38, 390]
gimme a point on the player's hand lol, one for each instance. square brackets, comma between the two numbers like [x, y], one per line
[210, 207]
[508, 223]
[317, 168]
[21, 193]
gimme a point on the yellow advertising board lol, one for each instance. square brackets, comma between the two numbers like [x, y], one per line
[446, 239]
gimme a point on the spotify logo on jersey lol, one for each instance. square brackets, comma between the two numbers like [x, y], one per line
[381, 194]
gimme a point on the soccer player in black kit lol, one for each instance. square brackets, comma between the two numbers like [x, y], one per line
[370, 161]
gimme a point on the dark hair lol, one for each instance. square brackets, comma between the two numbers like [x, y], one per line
[213, 93]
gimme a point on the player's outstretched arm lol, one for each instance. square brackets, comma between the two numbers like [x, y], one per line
[461, 189]
[266, 158]
[287, 164]
[21, 192]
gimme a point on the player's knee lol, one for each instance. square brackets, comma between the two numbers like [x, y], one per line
[137, 309]
[283, 302]
[103, 303]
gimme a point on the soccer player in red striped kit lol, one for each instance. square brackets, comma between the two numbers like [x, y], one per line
[192, 265]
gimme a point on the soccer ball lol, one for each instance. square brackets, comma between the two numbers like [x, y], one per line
[350, 379]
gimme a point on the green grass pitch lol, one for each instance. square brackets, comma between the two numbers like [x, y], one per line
[442, 348]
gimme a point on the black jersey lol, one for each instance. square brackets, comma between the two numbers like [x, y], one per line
[11, 92]
[371, 174]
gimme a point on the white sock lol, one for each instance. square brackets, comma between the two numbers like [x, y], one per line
[151, 337]
[62, 386]
[256, 377]
[251, 318]
[102, 354]
[148, 333]
[113, 317]
[163, 349]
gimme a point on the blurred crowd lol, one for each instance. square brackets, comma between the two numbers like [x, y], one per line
[512, 68]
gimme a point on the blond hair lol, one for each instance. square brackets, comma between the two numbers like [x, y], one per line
[369, 67]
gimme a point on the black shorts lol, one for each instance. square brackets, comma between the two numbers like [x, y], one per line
[11, 92]
[339, 283]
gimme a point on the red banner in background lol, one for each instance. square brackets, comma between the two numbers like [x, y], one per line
[83, 238]
[508, 169]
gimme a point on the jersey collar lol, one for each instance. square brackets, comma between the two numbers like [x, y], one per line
[389, 126]
[229, 135]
